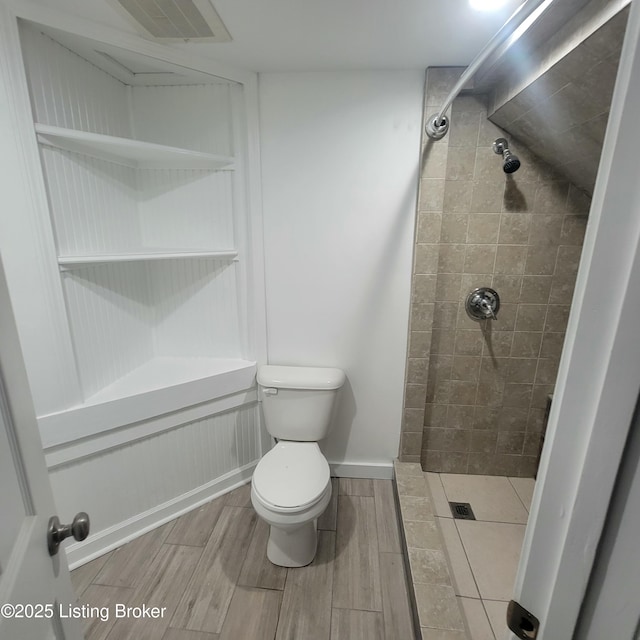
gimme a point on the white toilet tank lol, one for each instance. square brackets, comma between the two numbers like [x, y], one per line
[298, 401]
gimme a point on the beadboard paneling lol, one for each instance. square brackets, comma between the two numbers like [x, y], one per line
[185, 209]
[196, 117]
[121, 483]
[124, 314]
[110, 313]
[93, 203]
[195, 308]
[127, 315]
[104, 207]
[68, 91]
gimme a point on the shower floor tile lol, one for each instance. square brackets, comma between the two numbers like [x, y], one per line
[483, 554]
[524, 488]
[492, 498]
[493, 550]
[497, 613]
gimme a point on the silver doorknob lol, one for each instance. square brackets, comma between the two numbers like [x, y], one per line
[57, 532]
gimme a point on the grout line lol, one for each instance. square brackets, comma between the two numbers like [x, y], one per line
[519, 498]
[486, 613]
[443, 487]
[182, 544]
[466, 555]
[352, 609]
[248, 586]
[335, 556]
[379, 576]
[465, 619]
[444, 493]
[488, 617]
[521, 524]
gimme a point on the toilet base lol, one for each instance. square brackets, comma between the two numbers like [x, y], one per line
[293, 547]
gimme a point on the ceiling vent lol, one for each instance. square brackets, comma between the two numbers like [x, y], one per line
[176, 20]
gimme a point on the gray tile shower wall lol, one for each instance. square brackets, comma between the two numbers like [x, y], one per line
[560, 110]
[476, 392]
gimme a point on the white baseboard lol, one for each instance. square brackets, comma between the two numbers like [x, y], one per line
[376, 470]
[115, 536]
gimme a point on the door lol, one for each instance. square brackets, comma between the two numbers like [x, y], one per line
[598, 380]
[35, 589]
[612, 598]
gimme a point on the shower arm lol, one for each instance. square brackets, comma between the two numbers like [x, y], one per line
[521, 19]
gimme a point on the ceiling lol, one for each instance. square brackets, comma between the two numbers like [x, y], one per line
[322, 35]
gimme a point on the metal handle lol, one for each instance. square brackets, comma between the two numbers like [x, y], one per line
[487, 308]
[57, 532]
[483, 304]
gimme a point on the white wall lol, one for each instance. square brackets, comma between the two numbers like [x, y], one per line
[340, 156]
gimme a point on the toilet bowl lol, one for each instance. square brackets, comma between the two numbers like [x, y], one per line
[291, 485]
[291, 488]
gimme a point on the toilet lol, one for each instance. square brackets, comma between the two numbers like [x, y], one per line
[291, 485]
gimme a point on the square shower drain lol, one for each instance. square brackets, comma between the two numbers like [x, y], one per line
[462, 511]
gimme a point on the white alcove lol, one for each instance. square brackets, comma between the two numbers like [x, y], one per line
[143, 164]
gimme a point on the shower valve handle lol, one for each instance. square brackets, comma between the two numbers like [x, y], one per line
[487, 308]
[483, 303]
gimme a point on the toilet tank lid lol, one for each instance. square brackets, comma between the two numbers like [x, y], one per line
[286, 377]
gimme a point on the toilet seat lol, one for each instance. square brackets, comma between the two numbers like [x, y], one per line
[291, 477]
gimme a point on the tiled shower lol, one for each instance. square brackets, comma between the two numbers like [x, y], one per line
[485, 384]
[477, 393]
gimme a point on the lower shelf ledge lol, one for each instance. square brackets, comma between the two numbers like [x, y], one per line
[160, 386]
[68, 263]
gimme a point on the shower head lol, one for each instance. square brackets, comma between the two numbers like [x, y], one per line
[511, 162]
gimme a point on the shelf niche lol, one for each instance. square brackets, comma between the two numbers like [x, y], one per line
[123, 315]
[100, 207]
[144, 178]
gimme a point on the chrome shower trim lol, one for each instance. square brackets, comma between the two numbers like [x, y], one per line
[510, 161]
[482, 303]
[437, 126]
[500, 146]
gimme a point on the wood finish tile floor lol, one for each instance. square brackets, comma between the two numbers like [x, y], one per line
[209, 569]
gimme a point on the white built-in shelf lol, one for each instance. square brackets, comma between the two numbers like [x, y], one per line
[134, 153]
[158, 387]
[163, 373]
[74, 262]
